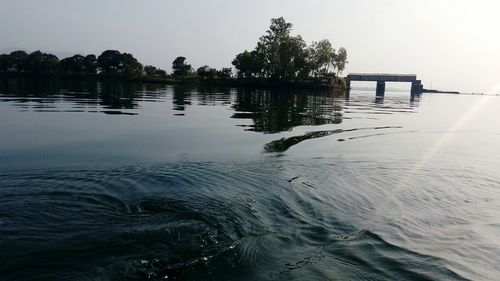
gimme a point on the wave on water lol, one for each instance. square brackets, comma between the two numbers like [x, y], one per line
[284, 144]
[194, 221]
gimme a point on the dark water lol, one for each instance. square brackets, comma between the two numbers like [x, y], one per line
[119, 181]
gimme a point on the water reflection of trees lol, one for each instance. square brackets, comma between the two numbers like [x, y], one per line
[81, 93]
[215, 96]
[280, 110]
[184, 95]
[269, 111]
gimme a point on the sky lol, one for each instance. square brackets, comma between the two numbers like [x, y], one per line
[449, 44]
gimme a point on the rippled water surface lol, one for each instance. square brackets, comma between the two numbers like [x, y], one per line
[122, 181]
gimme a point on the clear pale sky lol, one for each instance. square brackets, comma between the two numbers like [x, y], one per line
[451, 44]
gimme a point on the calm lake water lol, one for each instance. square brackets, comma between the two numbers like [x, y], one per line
[121, 181]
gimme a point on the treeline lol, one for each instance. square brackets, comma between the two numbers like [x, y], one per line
[278, 57]
[283, 57]
[110, 64]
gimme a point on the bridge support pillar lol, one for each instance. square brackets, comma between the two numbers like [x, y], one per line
[380, 88]
[416, 88]
[348, 90]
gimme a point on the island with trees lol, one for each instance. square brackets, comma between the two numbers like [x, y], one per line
[278, 59]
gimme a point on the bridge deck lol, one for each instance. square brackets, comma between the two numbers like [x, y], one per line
[382, 77]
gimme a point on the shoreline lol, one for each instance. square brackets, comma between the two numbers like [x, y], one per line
[232, 82]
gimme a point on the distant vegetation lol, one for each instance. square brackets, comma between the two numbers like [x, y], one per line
[110, 64]
[278, 57]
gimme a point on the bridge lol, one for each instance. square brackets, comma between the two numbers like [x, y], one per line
[382, 78]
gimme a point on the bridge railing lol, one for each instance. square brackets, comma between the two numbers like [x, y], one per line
[382, 74]
[382, 77]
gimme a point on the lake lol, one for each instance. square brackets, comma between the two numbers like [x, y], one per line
[124, 181]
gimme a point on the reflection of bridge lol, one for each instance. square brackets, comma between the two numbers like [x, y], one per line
[381, 78]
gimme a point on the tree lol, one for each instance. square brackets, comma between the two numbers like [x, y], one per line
[225, 73]
[248, 65]
[90, 64]
[41, 63]
[161, 73]
[79, 64]
[278, 55]
[73, 65]
[281, 56]
[180, 67]
[18, 60]
[114, 63]
[33, 62]
[206, 72]
[5, 63]
[321, 57]
[293, 58]
[109, 61]
[270, 47]
[130, 66]
[341, 60]
[152, 71]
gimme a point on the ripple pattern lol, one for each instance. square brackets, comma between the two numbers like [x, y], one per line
[216, 221]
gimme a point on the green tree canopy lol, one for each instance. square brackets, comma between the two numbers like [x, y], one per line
[161, 73]
[152, 71]
[281, 56]
[180, 67]
[149, 70]
[90, 64]
[73, 64]
[341, 60]
[18, 60]
[206, 72]
[321, 57]
[114, 63]
[225, 73]
[249, 64]
[79, 64]
[130, 66]
[271, 47]
[5, 63]
[109, 61]
[41, 63]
